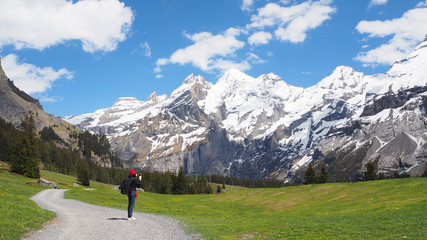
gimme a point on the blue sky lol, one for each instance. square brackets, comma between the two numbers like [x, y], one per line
[80, 56]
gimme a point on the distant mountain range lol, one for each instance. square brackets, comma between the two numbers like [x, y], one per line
[262, 127]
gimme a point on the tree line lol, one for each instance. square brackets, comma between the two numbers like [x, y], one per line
[178, 183]
[245, 182]
[370, 174]
[174, 183]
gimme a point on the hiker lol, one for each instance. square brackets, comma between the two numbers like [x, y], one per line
[128, 187]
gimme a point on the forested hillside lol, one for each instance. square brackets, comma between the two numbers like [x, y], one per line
[25, 150]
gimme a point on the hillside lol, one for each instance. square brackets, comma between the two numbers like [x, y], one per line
[59, 139]
[262, 127]
[16, 104]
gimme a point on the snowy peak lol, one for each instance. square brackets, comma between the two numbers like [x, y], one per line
[156, 99]
[342, 77]
[196, 85]
[410, 71]
[126, 101]
[271, 77]
[232, 78]
[125, 104]
[191, 79]
[152, 97]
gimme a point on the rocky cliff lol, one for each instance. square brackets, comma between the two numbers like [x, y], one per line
[15, 104]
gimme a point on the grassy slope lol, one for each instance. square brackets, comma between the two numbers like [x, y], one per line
[18, 214]
[387, 209]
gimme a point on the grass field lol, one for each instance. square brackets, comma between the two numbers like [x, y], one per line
[18, 214]
[387, 209]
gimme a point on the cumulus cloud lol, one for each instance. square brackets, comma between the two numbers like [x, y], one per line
[422, 4]
[259, 38]
[377, 2]
[98, 25]
[30, 78]
[207, 52]
[406, 33]
[253, 58]
[280, 20]
[292, 23]
[144, 49]
[247, 5]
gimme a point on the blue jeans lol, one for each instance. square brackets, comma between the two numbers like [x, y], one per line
[131, 198]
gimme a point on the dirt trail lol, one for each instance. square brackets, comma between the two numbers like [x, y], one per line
[78, 220]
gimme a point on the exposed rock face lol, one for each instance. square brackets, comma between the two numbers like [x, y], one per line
[16, 104]
[262, 127]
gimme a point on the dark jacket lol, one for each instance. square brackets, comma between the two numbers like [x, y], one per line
[134, 184]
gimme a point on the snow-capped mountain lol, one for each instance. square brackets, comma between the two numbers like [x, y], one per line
[263, 127]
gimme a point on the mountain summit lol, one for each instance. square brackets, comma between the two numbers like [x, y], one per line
[262, 127]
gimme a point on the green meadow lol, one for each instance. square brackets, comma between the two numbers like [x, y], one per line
[18, 214]
[386, 209]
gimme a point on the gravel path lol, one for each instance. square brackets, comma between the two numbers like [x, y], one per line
[78, 220]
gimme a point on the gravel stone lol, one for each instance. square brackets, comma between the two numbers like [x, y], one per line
[78, 220]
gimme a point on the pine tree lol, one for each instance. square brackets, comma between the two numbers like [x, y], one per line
[83, 174]
[28, 159]
[218, 189]
[371, 172]
[180, 186]
[208, 189]
[310, 175]
[323, 178]
[166, 183]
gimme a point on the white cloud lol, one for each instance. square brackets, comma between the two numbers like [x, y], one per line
[99, 25]
[422, 4]
[144, 49]
[407, 32]
[208, 51]
[293, 22]
[253, 58]
[219, 52]
[159, 76]
[377, 2]
[50, 99]
[32, 79]
[259, 38]
[247, 5]
[160, 62]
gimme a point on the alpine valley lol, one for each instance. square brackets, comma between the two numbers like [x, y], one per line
[264, 128]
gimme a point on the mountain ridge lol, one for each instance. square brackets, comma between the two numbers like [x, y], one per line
[263, 127]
